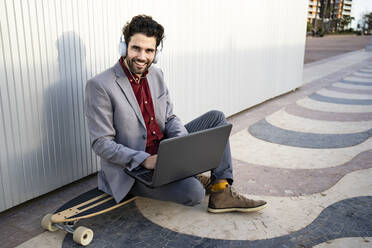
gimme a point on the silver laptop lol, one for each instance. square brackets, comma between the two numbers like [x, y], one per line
[186, 156]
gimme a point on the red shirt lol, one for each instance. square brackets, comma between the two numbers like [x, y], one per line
[142, 92]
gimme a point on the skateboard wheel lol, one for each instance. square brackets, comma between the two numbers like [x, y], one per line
[47, 223]
[83, 235]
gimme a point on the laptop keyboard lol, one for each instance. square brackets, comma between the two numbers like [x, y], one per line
[147, 176]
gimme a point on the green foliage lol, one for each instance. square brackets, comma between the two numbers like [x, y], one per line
[309, 27]
[367, 21]
[345, 21]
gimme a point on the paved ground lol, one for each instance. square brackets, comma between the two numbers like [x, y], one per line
[308, 153]
[318, 48]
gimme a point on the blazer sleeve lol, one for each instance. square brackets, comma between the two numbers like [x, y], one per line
[99, 116]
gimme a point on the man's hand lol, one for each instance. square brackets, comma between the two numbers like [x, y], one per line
[150, 162]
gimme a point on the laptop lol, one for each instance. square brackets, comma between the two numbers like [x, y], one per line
[185, 156]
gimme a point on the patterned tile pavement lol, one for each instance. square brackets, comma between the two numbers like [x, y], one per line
[127, 227]
[308, 153]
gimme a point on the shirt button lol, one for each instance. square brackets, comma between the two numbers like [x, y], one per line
[145, 102]
[152, 118]
[153, 132]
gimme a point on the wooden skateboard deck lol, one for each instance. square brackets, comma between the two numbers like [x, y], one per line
[88, 204]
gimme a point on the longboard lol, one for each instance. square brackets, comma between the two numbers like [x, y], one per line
[86, 205]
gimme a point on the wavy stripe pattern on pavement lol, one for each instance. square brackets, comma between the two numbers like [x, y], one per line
[351, 86]
[317, 97]
[282, 119]
[249, 149]
[358, 79]
[362, 75]
[265, 131]
[350, 90]
[355, 82]
[254, 179]
[347, 95]
[295, 109]
[360, 242]
[333, 107]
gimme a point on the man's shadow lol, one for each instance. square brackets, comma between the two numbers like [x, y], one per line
[66, 138]
[54, 148]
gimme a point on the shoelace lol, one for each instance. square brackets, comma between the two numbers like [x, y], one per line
[236, 194]
[205, 181]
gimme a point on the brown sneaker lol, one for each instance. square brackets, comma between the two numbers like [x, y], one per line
[228, 200]
[206, 182]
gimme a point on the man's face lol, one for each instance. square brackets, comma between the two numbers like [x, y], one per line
[141, 53]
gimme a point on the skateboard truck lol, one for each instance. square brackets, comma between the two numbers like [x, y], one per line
[80, 235]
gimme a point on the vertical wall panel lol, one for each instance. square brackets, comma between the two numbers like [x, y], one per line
[227, 55]
[4, 152]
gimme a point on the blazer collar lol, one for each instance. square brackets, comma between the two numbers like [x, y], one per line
[123, 82]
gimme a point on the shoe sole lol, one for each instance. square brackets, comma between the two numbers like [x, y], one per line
[244, 210]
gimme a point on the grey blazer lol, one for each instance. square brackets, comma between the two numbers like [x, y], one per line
[116, 126]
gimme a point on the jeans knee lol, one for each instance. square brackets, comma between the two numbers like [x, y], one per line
[194, 197]
[218, 115]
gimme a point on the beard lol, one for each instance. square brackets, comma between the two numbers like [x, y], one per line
[135, 69]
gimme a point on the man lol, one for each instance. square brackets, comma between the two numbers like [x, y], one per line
[129, 111]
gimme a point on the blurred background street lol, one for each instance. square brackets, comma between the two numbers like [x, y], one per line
[318, 48]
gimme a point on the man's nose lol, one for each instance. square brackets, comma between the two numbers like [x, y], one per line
[142, 55]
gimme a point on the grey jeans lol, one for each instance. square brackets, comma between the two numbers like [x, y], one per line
[190, 191]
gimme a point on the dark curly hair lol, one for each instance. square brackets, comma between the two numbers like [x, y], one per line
[145, 25]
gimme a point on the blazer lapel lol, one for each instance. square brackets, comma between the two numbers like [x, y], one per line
[154, 93]
[124, 84]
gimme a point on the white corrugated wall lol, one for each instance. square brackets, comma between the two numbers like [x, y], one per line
[226, 55]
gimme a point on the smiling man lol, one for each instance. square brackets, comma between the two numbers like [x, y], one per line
[140, 53]
[129, 111]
